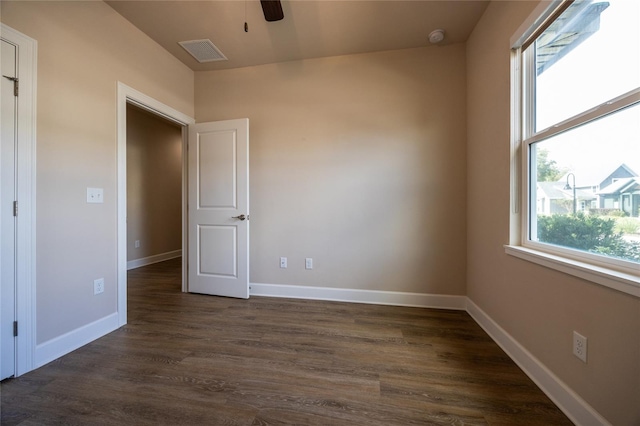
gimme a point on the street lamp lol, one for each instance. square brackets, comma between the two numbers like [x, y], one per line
[567, 186]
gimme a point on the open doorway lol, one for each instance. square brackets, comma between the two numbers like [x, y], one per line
[215, 178]
[128, 97]
[154, 207]
[154, 188]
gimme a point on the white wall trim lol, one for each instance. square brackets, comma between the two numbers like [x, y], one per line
[69, 342]
[150, 260]
[571, 404]
[26, 225]
[376, 297]
[126, 94]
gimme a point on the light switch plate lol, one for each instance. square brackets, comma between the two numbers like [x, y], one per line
[95, 195]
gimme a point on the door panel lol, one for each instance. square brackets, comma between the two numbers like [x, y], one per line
[7, 220]
[217, 159]
[219, 208]
[218, 248]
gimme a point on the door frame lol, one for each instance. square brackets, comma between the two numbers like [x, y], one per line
[129, 95]
[26, 174]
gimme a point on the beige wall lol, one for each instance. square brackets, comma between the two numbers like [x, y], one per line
[537, 306]
[154, 184]
[84, 48]
[356, 161]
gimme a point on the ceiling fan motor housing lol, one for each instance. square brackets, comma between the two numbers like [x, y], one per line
[272, 10]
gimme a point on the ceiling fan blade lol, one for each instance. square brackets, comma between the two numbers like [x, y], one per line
[272, 10]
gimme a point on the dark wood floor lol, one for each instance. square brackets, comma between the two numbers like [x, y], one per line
[201, 360]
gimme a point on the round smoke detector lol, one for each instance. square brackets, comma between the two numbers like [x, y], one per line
[436, 36]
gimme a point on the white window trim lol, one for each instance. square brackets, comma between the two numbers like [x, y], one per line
[609, 273]
[621, 281]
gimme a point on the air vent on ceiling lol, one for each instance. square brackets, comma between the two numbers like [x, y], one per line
[203, 50]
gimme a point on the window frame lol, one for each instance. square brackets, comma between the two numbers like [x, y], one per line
[613, 273]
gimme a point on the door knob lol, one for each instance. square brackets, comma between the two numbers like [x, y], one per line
[241, 217]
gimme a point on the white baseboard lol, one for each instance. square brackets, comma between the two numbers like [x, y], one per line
[62, 345]
[574, 407]
[375, 297]
[138, 263]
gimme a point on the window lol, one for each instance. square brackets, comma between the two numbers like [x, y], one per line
[577, 122]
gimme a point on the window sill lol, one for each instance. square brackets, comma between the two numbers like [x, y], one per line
[626, 283]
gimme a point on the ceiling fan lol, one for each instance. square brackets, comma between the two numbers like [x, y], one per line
[272, 10]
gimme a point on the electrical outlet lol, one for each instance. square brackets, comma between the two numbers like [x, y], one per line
[283, 262]
[308, 263]
[98, 286]
[137, 243]
[580, 346]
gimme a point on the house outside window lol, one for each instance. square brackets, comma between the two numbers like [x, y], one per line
[576, 126]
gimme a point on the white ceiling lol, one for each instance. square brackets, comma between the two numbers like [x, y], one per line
[310, 28]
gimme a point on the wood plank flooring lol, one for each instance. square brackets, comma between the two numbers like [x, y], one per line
[187, 359]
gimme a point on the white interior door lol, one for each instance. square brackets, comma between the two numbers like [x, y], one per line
[219, 208]
[8, 111]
